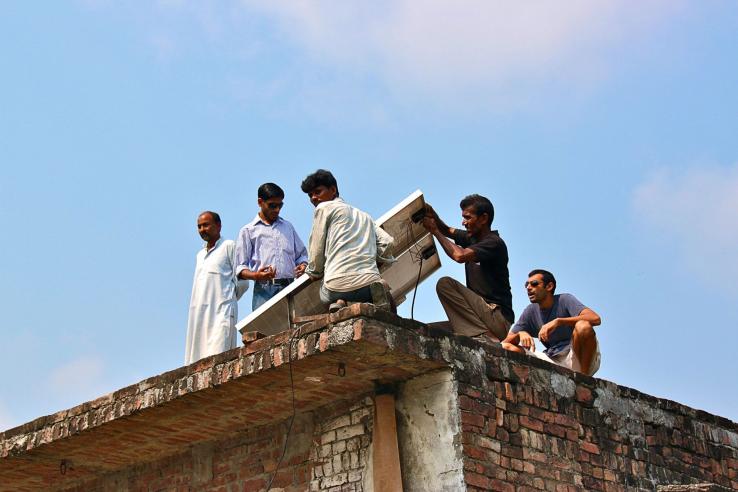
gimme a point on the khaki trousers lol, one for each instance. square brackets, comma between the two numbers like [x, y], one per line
[469, 314]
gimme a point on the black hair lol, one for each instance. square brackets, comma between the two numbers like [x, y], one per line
[214, 215]
[480, 205]
[270, 190]
[547, 277]
[321, 177]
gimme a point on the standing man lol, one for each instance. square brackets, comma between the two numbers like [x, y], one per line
[211, 327]
[482, 308]
[344, 246]
[268, 249]
[561, 322]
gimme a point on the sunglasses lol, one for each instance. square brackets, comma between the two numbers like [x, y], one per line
[533, 283]
[275, 206]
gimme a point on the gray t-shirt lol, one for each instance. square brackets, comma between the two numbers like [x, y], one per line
[533, 318]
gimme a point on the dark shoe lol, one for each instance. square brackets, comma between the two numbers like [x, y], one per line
[339, 304]
[381, 296]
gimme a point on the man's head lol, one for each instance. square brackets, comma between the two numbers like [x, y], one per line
[208, 226]
[477, 214]
[540, 285]
[320, 187]
[271, 201]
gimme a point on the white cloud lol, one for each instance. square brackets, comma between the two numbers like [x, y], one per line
[346, 57]
[78, 380]
[696, 212]
[445, 48]
[6, 419]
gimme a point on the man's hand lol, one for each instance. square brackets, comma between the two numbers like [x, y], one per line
[430, 224]
[547, 329]
[526, 341]
[440, 225]
[300, 269]
[266, 273]
[430, 212]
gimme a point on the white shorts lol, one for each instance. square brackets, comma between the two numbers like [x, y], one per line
[569, 359]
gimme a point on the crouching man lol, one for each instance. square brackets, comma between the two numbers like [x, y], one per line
[562, 323]
[344, 247]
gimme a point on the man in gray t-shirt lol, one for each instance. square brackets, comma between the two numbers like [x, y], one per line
[562, 323]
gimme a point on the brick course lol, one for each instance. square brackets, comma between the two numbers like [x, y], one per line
[327, 452]
[532, 426]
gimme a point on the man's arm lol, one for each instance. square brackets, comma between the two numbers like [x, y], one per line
[520, 334]
[384, 243]
[243, 255]
[455, 252]
[241, 286]
[316, 244]
[442, 227]
[301, 255]
[585, 314]
[264, 273]
[522, 339]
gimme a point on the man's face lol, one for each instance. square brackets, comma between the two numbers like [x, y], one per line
[271, 207]
[321, 194]
[207, 227]
[474, 223]
[537, 292]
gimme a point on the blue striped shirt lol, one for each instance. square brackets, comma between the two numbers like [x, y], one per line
[260, 244]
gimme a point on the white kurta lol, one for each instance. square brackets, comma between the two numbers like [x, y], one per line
[211, 327]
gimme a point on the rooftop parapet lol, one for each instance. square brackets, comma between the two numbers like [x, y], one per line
[520, 420]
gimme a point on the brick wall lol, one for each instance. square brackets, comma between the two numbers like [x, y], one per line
[530, 427]
[328, 451]
[341, 454]
[468, 416]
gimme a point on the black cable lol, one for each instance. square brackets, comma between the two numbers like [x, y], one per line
[416, 254]
[294, 410]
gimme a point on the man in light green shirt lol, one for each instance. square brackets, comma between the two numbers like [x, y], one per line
[344, 246]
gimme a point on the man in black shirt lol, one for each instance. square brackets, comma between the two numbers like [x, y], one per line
[482, 308]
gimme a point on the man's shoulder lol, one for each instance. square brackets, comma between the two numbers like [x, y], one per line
[284, 222]
[251, 224]
[493, 238]
[227, 246]
[570, 302]
[335, 203]
[530, 310]
[565, 297]
[333, 207]
[528, 318]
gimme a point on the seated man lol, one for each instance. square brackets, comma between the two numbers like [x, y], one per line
[561, 322]
[268, 249]
[483, 308]
[344, 245]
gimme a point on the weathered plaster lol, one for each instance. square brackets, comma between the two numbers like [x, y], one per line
[428, 430]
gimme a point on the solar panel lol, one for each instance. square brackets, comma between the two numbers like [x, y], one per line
[411, 242]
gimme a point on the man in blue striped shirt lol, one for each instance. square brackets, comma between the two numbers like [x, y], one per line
[268, 249]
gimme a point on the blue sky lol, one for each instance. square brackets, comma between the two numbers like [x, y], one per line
[605, 135]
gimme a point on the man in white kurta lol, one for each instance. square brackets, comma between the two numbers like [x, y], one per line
[211, 327]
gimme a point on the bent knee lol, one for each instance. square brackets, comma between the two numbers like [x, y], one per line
[444, 284]
[511, 347]
[584, 329]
